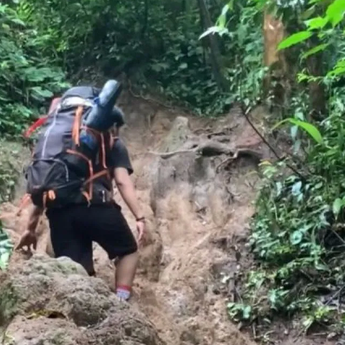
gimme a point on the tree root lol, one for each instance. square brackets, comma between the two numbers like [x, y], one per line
[241, 152]
[212, 148]
[206, 149]
[166, 155]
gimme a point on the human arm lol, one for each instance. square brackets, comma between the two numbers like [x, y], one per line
[122, 169]
[127, 190]
[29, 238]
[35, 216]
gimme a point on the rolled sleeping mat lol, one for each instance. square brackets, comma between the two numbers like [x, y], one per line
[102, 117]
[119, 117]
[90, 141]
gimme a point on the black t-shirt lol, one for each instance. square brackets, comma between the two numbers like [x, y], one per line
[118, 157]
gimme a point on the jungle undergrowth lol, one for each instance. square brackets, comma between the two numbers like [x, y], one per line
[298, 230]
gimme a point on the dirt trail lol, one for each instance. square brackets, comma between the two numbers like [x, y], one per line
[196, 218]
[191, 210]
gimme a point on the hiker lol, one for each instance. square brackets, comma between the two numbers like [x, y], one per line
[76, 225]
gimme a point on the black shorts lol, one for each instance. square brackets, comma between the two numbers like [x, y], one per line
[74, 228]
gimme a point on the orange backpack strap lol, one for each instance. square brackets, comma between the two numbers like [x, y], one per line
[42, 120]
[34, 126]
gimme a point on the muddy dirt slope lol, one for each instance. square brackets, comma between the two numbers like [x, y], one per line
[196, 180]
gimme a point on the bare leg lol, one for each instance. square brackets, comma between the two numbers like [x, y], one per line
[125, 270]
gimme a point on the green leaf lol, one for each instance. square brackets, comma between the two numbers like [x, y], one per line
[335, 12]
[296, 188]
[222, 18]
[213, 30]
[294, 130]
[296, 237]
[18, 21]
[246, 312]
[306, 126]
[307, 322]
[6, 248]
[317, 23]
[337, 206]
[338, 70]
[294, 39]
[42, 93]
[321, 267]
[315, 50]
[231, 5]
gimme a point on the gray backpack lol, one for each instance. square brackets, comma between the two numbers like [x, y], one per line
[63, 163]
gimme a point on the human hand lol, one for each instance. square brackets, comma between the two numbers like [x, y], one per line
[28, 239]
[141, 228]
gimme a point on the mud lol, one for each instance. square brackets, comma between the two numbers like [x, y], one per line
[198, 208]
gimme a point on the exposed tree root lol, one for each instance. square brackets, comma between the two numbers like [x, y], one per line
[214, 148]
[166, 155]
[241, 152]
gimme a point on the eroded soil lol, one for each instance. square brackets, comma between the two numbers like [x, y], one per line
[198, 212]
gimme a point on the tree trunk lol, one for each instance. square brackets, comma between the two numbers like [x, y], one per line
[274, 33]
[317, 91]
[215, 55]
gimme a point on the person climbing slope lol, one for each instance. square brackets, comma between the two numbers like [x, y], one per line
[76, 223]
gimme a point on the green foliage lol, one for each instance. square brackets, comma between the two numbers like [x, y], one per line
[156, 43]
[306, 126]
[12, 158]
[182, 73]
[26, 79]
[324, 28]
[298, 232]
[298, 236]
[295, 39]
[157, 40]
[240, 27]
[6, 248]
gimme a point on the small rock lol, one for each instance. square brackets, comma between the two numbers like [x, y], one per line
[331, 335]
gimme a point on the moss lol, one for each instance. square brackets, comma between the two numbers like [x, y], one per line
[13, 159]
[9, 301]
[59, 338]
